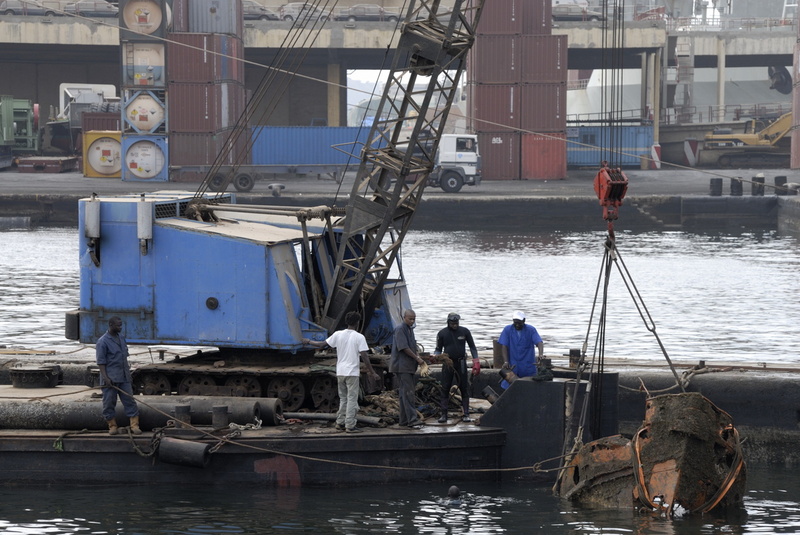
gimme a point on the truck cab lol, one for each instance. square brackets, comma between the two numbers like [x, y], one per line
[458, 162]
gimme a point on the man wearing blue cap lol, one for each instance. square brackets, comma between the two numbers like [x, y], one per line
[520, 342]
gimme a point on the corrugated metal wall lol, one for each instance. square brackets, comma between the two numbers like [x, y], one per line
[584, 149]
[308, 145]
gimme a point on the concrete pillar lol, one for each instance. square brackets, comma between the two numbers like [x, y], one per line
[335, 81]
[720, 116]
[656, 94]
[643, 85]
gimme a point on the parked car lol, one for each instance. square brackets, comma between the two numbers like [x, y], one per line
[88, 8]
[372, 12]
[575, 12]
[302, 11]
[47, 8]
[254, 11]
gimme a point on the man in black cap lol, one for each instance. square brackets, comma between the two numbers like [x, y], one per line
[453, 340]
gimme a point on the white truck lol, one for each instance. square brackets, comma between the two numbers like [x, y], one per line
[458, 162]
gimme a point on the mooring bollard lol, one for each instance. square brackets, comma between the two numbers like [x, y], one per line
[715, 188]
[780, 185]
[219, 416]
[183, 415]
[736, 187]
[757, 186]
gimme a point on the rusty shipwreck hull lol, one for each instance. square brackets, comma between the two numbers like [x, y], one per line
[686, 455]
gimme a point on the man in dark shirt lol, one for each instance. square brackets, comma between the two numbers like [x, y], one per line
[453, 339]
[115, 376]
[403, 365]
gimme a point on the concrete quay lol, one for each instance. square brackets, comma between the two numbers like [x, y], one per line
[670, 199]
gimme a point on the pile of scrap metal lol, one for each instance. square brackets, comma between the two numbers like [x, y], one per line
[686, 457]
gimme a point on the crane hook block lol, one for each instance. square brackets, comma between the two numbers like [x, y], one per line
[610, 185]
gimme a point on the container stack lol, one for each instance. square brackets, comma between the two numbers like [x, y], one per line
[143, 28]
[518, 84]
[205, 82]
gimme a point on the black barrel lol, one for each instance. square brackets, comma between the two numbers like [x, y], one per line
[184, 452]
[736, 187]
[780, 185]
[715, 188]
[757, 186]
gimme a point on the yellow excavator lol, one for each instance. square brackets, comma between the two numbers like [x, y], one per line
[767, 147]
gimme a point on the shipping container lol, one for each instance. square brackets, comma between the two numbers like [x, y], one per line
[180, 16]
[102, 154]
[100, 120]
[500, 155]
[314, 145]
[202, 57]
[147, 20]
[543, 58]
[496, 59]
[205, 108]
[501, 17]
[145, 111]
[145, 158]
[496, 107]
[537, 17]
[544, 156]
[201, 149]
[216, 16]
[543, 107]
[587, 146]
[143, 64]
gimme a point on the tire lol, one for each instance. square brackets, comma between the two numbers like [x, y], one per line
[288, 18]
[263, 17]
[352, 19]
[724, 161]
[451, 182]
[243, 183]
[9, 12]
[594, 19]
[392, 19]
[217, 183]
[49, 14]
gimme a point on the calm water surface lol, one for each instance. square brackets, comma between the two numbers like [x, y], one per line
[712, 296]
[493, 508]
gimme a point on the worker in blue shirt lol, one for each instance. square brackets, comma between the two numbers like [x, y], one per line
[520, 343]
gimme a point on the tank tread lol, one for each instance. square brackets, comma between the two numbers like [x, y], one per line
[298, 387]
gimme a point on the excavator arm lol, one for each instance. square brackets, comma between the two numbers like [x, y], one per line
[429, 61]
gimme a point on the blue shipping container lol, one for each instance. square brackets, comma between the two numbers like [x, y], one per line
[308, 145]
[587, 146]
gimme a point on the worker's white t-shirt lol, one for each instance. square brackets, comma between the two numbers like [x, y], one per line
[348, 344]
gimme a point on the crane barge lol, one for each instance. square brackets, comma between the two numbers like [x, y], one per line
[248, 282]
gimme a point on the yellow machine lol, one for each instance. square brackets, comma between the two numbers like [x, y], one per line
[768, 147]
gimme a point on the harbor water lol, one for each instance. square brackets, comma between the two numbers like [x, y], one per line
[713, 297]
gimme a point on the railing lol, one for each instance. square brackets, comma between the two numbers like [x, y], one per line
[691, 24]
[685, 115]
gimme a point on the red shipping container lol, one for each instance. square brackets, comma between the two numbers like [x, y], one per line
[500, 155]
[204, 58]
[537, 17]
[543, 58]
[180, 16]
[544, 107]
[496, 59]
[96, 120]
[496, 107]
[204, 108]
[544, 156]
[191, 149]
[501, 17]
